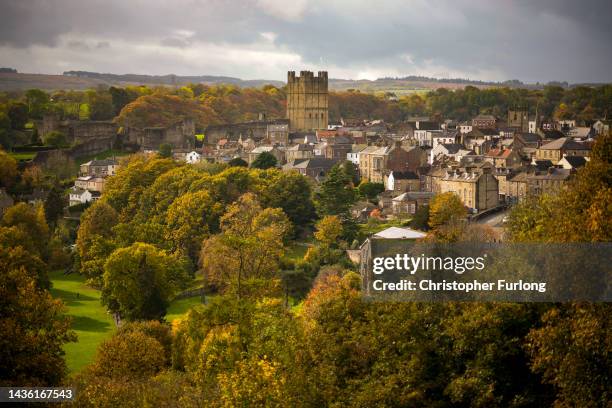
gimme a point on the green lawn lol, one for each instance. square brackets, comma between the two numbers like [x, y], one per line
[91, 322]
[180, 307]
[22, 155]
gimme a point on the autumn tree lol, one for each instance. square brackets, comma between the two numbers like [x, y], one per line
[140, 280]
[8, 169]
[249, 247]
[444, 209]
[31, 223]
[572, 352]
[131, 353]
[95, 239]
[190, 219]
[33, 330]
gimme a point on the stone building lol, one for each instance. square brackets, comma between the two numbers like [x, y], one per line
[557, 149]
[307, 101]
[518, 118]
[375, 162]
[478, 190]
[299, 151]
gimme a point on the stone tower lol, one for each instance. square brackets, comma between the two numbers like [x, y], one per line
[307, 101]
[518, 117]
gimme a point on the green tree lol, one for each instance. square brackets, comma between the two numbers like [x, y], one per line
[100, 105]
[329, 230]
[264, 161]
[291, 192]
[165, 150]
[95, 239]
[38, 103]
[370, 190]
[18, 114]
[140, 280]
[54, 204]
[237, 162]
[55, 138]
[190, 219]
[421, 218]
[336, 194]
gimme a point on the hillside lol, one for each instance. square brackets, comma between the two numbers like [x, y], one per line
[82, 80]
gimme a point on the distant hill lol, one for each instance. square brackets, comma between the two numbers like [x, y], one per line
[83, 80]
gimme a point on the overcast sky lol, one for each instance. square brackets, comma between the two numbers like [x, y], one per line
[530, 40]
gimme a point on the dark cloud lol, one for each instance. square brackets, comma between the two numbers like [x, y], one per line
[525, 39]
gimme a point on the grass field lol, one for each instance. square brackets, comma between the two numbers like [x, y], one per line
[22, 155]
[91, 322]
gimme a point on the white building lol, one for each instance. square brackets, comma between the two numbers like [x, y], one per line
[193, 157]
[79, 196]
[353, 155]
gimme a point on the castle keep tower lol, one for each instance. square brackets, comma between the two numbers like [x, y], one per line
[307, 101]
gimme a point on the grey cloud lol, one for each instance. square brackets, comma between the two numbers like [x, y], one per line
[525, 39]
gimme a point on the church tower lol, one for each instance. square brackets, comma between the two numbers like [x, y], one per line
[307, 101]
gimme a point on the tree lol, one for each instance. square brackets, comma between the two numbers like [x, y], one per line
[54, 204]
[18, 114]
[55, 138]
[165, 150]
[249, 247]
[140, 280]
[237, 162]
[190, 219]
[572, 352]
[38, 103]
[370, 190]
[336, 194]
[119, 97]
[329, 230]
[95, 239]
[30, 221]
[100, 105]
[291, 192]
[264, 161]
[8, 169]
[445, 209]
[421, 218]
[33, 331]
[130, 354]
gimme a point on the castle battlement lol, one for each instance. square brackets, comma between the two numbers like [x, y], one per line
[307, 100]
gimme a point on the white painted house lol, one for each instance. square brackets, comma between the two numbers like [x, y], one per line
[79, 196]
[193, 157]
